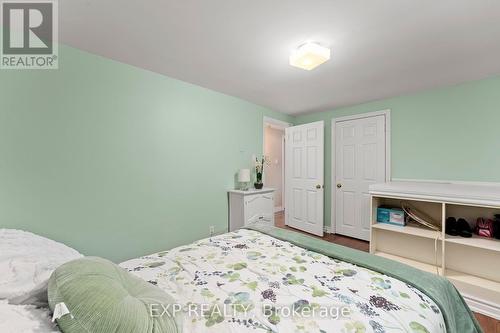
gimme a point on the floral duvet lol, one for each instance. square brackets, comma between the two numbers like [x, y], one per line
[246, 281]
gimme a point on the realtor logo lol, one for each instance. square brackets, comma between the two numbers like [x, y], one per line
[29, 35]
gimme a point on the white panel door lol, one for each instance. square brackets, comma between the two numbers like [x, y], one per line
[359, 162]
[304, 178]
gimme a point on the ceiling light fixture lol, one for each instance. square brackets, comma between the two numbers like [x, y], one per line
[309, 56]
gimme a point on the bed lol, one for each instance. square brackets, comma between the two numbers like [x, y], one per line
[265, 279]
[250, 268]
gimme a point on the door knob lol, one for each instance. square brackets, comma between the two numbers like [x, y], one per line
[339, 185]
[318, 186]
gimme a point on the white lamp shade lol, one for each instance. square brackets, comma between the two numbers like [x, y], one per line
[244, 175]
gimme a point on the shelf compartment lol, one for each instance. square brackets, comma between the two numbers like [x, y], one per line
[472, 260]
[408, 229]
[490, 244]
[433, 209]
[471, 213]
[410, 262]
[473, 280]
[408, 245]
[474, 287]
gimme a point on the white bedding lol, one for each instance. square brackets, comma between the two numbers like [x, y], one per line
[26, 263]
[245, 272]
[25, 319]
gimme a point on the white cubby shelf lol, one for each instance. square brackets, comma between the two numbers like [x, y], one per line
[471, 264]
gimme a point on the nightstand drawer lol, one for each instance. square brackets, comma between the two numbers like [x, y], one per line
[258, 205]
[251, 207]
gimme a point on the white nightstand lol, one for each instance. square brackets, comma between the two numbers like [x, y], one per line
[247, 207]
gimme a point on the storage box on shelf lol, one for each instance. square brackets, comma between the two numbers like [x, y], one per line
[472, 264]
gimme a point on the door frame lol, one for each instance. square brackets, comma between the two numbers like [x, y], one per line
[388, 176]
[281, 125]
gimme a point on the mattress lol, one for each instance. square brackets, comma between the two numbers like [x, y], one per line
[246, 281]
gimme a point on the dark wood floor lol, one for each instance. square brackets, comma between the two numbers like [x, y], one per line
[489, 325]
[279, 221]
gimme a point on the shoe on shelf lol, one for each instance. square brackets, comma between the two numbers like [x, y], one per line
[451, 226]
[463, 228]
[497, 226]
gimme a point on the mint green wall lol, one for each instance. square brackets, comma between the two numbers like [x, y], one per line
[445, 134]
[118, 161]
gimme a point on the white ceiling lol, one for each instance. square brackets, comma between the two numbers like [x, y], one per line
[380, 48]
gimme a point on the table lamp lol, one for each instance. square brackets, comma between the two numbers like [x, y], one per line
[244, 179]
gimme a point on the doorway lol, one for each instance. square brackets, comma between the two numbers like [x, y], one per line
[274, 150]
[360, 157]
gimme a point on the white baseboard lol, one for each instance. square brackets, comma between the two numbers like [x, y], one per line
[327, 229]
[483, 307]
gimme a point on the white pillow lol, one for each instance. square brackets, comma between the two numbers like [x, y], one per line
[26, 263]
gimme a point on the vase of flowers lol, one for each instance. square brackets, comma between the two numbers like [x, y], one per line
[259, 171]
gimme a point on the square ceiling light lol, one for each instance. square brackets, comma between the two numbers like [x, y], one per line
[309, 56]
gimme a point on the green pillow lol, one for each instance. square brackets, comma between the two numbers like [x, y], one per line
[104, 298]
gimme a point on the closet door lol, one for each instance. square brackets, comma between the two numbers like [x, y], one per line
[359, 162]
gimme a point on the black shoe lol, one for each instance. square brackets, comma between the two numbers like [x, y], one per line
[497, 226]
[451, 226]
[464, 228]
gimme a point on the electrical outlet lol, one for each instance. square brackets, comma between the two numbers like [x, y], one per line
[211, 229]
